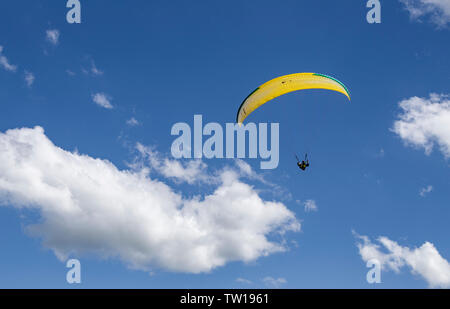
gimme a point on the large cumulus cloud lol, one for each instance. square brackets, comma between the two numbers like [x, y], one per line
[89, 206]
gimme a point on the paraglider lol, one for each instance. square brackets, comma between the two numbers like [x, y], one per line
[304, 164]
[285, 84]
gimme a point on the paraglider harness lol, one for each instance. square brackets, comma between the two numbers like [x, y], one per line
[304, 164]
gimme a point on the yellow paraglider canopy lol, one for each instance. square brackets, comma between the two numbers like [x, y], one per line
[285, 84]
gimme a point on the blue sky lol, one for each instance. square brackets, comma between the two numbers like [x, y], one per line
[159, 63]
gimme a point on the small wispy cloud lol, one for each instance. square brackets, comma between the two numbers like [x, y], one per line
[103, 100]
[29, 78]
[70, 73]
[244, 281]
[437, 10]
[248, 172]
[4, 62]
[94, 70]
[52, 36]
[90, 67]
[133, 122]
[381, 153]
[310, 205]
[424, 191]
[275, 283]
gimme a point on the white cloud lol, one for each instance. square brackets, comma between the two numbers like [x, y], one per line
[245, 170]
[274, 283]
[95, 70]
[70, 73]
[133, 122]
[244, 281]
[438, 10]
[425, 191]
[29, 78]
[52, 36]
[190, 171]
[424, 261]
[103, 100]
[89, 206]
[310, 205]
[425, 123]
[4, 62]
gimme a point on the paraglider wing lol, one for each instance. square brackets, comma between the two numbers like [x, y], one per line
[285, 84]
